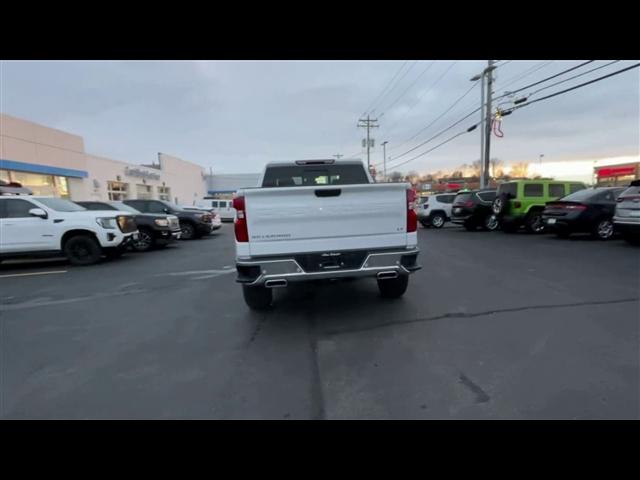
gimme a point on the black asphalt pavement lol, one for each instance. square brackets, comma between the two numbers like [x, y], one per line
[495, 326]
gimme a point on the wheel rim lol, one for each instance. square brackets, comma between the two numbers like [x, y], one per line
[80, 251]
[491, 222]
[437, 221]
[536, 224]
[187, 231]
[605, 229]
[144, 240]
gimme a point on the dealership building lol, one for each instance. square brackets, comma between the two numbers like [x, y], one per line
[54, 162]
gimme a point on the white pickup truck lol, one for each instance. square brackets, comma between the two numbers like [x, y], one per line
[322, 219]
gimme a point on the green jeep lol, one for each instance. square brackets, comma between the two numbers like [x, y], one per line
[521, 202]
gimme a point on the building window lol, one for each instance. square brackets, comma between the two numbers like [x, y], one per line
[39, 184]
[164, 193]
[62, 186]
[143, 192]
[4, 176]
[118, 190]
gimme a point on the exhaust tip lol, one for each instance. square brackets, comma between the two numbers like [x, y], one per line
[387, 275]
[275, 283]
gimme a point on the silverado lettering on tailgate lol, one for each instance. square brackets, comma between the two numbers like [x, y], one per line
[273, 236]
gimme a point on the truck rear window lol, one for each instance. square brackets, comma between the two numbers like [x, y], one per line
[314, 175]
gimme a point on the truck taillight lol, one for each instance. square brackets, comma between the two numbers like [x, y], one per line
[240, 225]
[412, 217]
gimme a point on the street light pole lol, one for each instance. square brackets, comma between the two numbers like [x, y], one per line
[384, 156]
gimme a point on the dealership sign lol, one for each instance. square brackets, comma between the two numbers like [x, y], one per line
[136, 172]
[616, 171]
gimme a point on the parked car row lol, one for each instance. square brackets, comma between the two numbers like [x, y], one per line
[85, 231]
[560, 207]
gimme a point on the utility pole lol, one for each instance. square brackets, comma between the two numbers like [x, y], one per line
[384, 156]
[487, 128]
[368, 123]
[480, 77]
[338, 156]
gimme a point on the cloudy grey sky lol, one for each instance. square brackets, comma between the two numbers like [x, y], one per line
[236, 116]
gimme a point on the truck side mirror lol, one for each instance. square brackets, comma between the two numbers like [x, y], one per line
[38, 212]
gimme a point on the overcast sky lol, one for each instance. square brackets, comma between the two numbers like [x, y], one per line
[236, 116]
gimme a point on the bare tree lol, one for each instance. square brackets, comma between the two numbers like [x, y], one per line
[495, 165]
[520, 169]
[475, 168]
[413, 177]
[457, 174]
[427, 178]
[396, 176]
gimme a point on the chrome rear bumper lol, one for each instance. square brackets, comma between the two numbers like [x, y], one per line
[281, 271]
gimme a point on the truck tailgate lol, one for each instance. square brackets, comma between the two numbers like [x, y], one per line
[326, 218]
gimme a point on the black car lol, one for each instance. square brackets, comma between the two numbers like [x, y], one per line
[585, 211]
[193, 224]
[154, 230]
[472, 209]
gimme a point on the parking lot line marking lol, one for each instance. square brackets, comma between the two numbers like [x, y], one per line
[194, 272]
[213, 275]
[31, 274]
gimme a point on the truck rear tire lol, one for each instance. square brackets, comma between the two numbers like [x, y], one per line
[82, 250]
[257, 298]
[394, 287]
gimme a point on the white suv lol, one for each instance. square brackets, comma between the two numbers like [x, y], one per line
[35, 226]
[435, 210]
[627, 216]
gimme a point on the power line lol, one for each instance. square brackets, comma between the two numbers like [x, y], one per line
[396, 83]
[385, 88]
[435, 120]
[441, 132]
[617, 72]
[504, 62]
[526, 73]
[508, 111]
[543, 80]
[444, 113]
[473, 127]
[573, 77]
[420, 97]
[407, 89]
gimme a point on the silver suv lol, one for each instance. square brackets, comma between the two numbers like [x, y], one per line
[627, 217]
